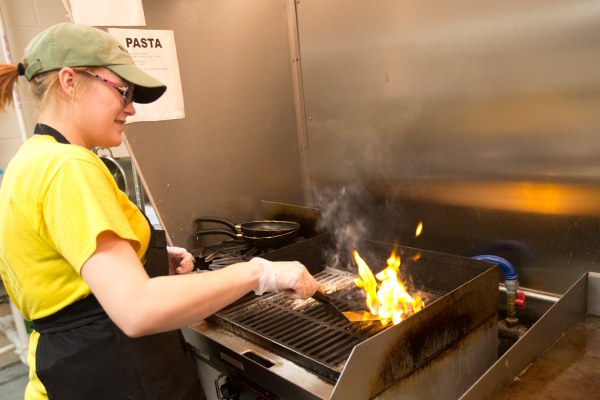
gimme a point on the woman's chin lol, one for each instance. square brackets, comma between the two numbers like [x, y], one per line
[115, 141]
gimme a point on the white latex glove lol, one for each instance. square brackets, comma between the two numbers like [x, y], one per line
[180, 261]
[289, 276]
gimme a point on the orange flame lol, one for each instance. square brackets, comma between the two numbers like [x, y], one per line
[419, 229]
[388, 300]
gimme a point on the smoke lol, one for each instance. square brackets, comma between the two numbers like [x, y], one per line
[345, 215]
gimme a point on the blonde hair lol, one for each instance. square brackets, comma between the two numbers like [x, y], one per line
[43, 86]
[8, 77]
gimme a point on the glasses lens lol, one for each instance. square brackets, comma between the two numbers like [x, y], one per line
[128, 96]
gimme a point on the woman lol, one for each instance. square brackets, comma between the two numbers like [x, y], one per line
[76, 254]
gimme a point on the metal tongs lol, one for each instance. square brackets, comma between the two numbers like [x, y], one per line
[328, 305]
[350, 316]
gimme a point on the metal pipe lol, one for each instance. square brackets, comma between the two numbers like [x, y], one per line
[18, 317]
[511, 283]
[21, 331]
[16, 96]
[8, 348]
[115, 163]
[512, 289]
[535, 295]
[512, 333]
[299, 101]
[139, 196]
[509, 328]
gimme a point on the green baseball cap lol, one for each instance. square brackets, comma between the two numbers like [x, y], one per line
[79, 45]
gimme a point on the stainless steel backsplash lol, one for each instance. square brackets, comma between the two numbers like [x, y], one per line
[481, 119]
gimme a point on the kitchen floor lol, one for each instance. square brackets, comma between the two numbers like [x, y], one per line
[13, 380]
[14, 375]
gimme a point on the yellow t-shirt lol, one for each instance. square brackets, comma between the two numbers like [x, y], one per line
[55, 200]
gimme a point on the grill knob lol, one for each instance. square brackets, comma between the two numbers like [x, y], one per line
[230, 390]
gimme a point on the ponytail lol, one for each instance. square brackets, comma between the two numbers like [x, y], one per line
[8, 77]
[43, 86]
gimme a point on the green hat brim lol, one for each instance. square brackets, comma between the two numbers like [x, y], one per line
[147, 89]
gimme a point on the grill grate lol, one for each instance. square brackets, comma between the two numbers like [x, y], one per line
[300, 330]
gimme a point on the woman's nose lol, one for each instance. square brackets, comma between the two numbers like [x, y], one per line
[129, 109]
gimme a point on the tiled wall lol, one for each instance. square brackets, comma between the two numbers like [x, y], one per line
[23, 20]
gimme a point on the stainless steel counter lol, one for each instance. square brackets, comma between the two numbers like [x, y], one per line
[568, 370]
[567, 336]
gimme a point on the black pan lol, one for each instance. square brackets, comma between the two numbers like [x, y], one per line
[262, 242]
[256, 229]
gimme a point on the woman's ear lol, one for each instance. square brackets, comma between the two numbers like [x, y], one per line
[66, 78]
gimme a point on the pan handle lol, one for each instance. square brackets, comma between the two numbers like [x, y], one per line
[220, 232]
[217, 220]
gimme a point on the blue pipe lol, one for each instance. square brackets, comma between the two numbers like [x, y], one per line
[510, 273]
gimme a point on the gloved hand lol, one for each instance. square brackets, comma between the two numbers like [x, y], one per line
[289, 276]
[180, 261]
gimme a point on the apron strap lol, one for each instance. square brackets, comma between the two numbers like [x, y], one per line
[157, 257]
[80, 313]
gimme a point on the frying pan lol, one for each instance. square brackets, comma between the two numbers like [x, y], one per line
[256, 229]
[266, 241]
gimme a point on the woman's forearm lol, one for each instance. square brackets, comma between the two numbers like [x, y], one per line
[175, 301]
[140, 305]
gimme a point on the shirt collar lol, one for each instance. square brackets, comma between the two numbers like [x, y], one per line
[41, 129]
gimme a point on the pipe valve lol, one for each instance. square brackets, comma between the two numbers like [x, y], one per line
[521, 301]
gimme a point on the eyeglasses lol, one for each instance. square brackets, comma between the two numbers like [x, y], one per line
[126, 93]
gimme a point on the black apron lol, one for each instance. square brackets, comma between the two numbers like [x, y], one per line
[82, 354]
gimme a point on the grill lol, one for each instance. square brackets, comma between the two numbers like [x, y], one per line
[300, 330]
[341, 359]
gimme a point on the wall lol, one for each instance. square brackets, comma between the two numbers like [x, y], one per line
[478, 118]
[238, 143]
[23, 20]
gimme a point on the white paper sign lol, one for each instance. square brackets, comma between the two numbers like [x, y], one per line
[108, 12]
[154, 52]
